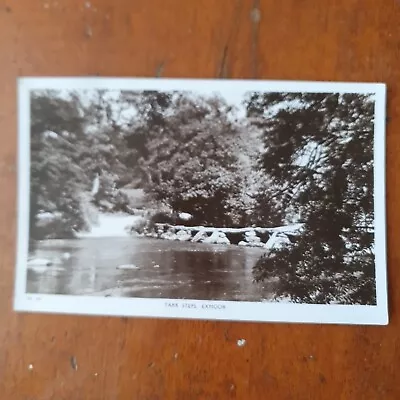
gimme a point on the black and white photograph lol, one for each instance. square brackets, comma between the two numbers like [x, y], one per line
[202, 199]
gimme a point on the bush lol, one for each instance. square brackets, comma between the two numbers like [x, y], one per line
[56, 229]
[140, 226]
[144, 225]
[120, 201]
[161, 218]
[309, 272]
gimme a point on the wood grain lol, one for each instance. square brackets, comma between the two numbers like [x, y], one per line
[345, 40]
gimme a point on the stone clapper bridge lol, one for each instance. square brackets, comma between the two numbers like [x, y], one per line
[252, 236]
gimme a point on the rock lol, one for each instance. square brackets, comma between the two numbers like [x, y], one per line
[277, 241]
[253, 240]
[169, 235]
[185, 216]
[222, 239]
[212, 239]
[183, 235]
[217, 238]
[200, 236]
[42, 265]
[156, 266]
[127, 267]
[39, 269]
[40, 262]
[242, 243]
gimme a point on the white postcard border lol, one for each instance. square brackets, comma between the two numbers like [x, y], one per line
[201, 309]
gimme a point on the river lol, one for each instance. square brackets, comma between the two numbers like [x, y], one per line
[164, 269]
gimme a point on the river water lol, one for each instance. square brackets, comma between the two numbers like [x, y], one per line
[164, 269]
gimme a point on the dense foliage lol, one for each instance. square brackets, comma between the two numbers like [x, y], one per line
[186, 152]
[70, 144]
[319, 150]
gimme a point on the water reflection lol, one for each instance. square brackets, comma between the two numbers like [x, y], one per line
[164, 269]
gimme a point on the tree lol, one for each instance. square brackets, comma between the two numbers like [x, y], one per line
[56, 180]
[187, 154]
[319, 151]
[73, 137]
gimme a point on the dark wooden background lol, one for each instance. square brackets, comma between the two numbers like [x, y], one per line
[118, 358]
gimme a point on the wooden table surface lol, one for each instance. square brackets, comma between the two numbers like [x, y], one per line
[118, 358]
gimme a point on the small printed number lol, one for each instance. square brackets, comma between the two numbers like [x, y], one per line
[33, 298]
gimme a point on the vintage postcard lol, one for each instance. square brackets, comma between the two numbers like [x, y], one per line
[207, 199]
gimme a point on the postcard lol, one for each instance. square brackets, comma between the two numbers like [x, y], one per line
[206, 199]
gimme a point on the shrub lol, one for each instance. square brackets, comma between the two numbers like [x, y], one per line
[140, 226]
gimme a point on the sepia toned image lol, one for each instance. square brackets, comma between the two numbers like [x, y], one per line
[203, 193]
